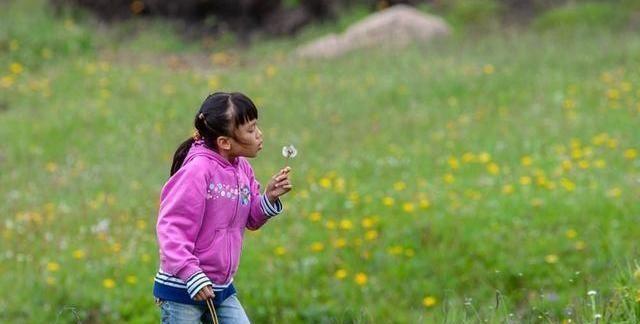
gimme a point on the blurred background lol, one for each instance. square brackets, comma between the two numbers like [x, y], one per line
[459, 161]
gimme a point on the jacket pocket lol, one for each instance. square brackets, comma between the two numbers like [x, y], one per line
[214, 256]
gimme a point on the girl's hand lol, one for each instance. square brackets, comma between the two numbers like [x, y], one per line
[279, 185]
[205, 293]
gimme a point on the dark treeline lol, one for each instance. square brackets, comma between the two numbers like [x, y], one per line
[277, 17]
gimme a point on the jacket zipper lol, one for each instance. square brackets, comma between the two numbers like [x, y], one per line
[231, 225]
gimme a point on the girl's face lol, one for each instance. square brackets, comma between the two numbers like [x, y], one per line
[247, 141]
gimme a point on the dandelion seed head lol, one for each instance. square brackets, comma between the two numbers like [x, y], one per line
[289, 151]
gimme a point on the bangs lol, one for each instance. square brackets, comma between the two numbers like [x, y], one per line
[242, 109]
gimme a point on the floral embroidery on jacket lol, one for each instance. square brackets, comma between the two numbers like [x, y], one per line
[219, 190]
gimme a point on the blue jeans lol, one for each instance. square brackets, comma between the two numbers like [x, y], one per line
[229, 312]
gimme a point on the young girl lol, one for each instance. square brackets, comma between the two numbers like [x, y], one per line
[209, 200]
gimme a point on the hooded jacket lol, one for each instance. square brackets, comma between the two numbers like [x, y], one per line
[205, 208]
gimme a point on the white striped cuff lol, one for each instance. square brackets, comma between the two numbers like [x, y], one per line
[197, 282]
[269, 208]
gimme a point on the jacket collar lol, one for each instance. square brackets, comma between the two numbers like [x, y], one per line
[198, 148]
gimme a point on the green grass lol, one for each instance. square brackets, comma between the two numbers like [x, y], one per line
[410, 173]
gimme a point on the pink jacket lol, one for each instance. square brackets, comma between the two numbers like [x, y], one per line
[204, 209]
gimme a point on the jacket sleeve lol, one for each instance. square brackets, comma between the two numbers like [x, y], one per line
[261, 208]
[180, 217]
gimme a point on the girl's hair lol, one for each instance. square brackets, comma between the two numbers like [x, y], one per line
[220, 114]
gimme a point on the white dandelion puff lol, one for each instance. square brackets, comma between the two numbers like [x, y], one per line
[289, 151]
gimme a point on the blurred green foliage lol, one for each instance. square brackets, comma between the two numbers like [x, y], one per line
[584, 15]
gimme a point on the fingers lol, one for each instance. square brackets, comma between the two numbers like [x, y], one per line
[281, 176]
[282, 172]
[205, 293]
[285, 183]
[209, 292]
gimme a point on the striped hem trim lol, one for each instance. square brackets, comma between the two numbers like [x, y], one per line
[193, 284]
[269, 208]
[197, 282]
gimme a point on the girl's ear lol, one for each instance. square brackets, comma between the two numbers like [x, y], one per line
[224, 143]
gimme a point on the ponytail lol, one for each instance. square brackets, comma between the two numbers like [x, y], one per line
[220, 114]
[180, 155]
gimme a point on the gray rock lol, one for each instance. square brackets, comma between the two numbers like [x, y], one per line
[395, 27]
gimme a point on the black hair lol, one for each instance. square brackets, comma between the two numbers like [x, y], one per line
[220, 114]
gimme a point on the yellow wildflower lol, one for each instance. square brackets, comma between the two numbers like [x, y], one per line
[367, 222]
[79, 254]
[132, 280]
[51, 167]
[468, 157]
[53, 266]
[16, 68]
[317, 247]
[280, 250]
[551, 258]
[488, 69]
[361, 278]
[429, 301]
[339, 184]
[108, 283]
[484, 157]
[315, 216]
[395, 250]
[341, 274]
[339, 243]
[569, 104]
[399, 186]
[325, 183]
[408, 207]
[453, 163]
[630, 154]
[271, 71]
[448, 178]
[614, 192]
[568, 184]
[613, 94]
[6, 81]
[146, 258]
[213, 82]
[493, 168]
[583, 164]
[346, 224]
[600, 163]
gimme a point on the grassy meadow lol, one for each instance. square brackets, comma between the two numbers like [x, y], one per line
[489, 177]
